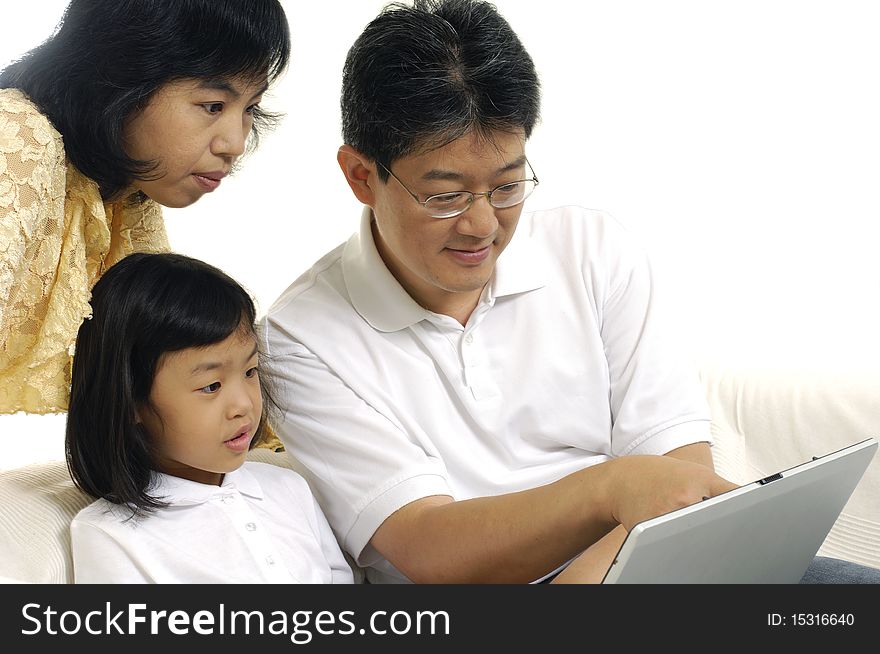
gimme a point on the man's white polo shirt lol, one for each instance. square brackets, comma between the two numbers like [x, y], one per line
[566, 362]
[261, 525]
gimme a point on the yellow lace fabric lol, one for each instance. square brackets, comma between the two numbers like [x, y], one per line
[270, 440]
[56, 238]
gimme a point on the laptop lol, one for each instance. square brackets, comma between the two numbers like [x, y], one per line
[763, 532]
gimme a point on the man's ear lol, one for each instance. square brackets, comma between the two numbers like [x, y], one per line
[359, 173]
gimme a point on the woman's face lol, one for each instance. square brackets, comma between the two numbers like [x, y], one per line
[194, 130]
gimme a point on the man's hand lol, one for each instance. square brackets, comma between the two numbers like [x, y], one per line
[590, 567]
[643, 487]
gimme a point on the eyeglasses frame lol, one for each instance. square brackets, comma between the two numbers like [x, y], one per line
[473, 194]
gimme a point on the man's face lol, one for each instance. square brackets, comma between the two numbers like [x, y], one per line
[445, 263]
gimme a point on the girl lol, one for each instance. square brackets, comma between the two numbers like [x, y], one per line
[130, 105]
[165, 403]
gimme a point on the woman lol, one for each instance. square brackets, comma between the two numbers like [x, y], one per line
[130, 105]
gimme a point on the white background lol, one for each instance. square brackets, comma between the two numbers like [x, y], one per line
[739, 140]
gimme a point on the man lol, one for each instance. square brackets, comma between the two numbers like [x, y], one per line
[476, 395]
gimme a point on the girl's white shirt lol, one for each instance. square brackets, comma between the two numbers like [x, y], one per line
[261, 525]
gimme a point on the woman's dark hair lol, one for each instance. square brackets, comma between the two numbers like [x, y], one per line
[143, 307]
[108, 57]
[422, 76]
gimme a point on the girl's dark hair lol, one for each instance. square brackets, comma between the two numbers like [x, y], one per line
[142, 307]
[422, 76]
[108, 57]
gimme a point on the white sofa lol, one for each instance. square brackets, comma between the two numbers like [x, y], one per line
[764, 420]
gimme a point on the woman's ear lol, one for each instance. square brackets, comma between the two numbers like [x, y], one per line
[143, 410]
[359, 172]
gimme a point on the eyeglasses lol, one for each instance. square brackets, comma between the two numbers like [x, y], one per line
[450, 205]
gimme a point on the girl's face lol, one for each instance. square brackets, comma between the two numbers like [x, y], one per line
[195, 130]
[204, 407]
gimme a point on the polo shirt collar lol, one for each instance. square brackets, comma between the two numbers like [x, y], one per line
[177, 491]
[376, 295]
[380, 299]
[522, 267]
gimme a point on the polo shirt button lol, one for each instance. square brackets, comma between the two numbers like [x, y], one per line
[270, 560]
[228, 499]
[250, 526]
[469, 339]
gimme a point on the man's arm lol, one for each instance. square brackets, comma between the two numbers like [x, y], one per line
[591, 566]
[518, 537]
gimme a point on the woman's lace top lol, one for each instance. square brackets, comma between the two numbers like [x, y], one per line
[56, 238]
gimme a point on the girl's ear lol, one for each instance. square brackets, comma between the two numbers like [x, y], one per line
[359, 172]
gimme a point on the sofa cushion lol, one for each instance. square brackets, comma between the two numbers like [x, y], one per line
[37, 503]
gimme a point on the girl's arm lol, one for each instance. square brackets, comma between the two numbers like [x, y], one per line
[100, 558]
[341, 571]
